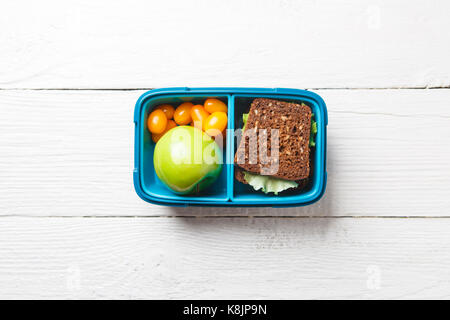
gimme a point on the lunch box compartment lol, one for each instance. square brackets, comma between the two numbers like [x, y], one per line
[244, 193]
[226, 190]
[151, 184]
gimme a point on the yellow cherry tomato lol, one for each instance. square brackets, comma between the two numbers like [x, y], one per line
[157, 121]
[216, 123]
[199, 116]
[215, 105]
[167, 109]
[182, 115]
[170, 124]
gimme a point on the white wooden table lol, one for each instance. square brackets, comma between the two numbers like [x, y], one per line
[71, 225]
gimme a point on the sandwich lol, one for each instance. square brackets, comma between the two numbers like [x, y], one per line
[274, 153]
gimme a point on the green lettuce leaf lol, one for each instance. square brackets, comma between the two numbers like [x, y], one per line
[312, 136]
[244, 118]
[268, 184]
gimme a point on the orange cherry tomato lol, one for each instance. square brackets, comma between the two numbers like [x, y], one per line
[182, 115]
[156, 137]
[199, 116]
[197, 124]
[215, 105]
[216, 123]
[157, 121]
[170, 124]
[167, 109]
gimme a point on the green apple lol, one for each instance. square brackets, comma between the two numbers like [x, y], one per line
[187, 160]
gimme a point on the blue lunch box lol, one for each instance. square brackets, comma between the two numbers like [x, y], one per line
[226, 191]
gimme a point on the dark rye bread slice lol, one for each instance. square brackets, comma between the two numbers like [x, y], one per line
[293, 121]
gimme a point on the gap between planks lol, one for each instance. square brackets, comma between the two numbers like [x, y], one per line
[151, 88]
[233, 217]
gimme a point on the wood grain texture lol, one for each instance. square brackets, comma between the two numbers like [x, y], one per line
[67, 155]
[273, 43]
[240, 258]
[70, 153]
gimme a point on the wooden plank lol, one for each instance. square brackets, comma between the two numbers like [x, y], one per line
[274, 43]
[70, 153]
[240, 258]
